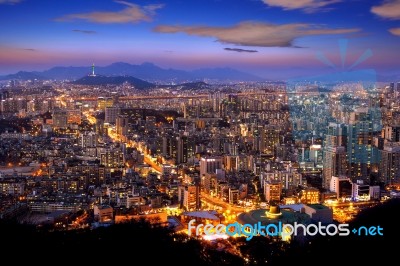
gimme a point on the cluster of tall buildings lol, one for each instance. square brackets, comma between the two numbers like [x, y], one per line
[236, 145]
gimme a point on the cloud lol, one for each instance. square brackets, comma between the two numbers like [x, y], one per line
[10, 2]
[29, 49]
[132, 13]
[306, 5]
[85, 31]
[395, 31]
[388, 9]
[256, 33]
[240, 50]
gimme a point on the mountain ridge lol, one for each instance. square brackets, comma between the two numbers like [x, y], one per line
[116, 80]
[146, 71]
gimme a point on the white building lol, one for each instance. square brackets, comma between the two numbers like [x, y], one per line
[342, 186]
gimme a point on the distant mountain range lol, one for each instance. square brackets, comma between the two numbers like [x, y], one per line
[23, 75]
[145, 71]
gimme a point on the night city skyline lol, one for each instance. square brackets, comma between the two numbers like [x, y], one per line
[271, 39]
[204, 132]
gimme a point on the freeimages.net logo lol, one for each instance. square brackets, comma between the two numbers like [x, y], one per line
[285, 231]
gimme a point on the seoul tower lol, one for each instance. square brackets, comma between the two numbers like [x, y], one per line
[93, 75]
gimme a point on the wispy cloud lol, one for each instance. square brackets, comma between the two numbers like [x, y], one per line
[240, 50]
[10, 2]
[308, 6]
[395, 31]
[132, 13]
[29, 49]
[388, 9]
[85, 31]
[256, 33]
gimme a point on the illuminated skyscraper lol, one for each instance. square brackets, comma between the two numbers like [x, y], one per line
[111, 114]
[122, 125]
[361, 154]
[272, 191]
[60, 118]
[88, 139]
[102, 102]
[334, 153]
[182, 148]
[209, 165]
[189, 197]
[389, 167]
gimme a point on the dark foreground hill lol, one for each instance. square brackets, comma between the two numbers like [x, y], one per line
[140, 243]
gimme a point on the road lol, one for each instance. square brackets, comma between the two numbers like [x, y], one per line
[220, 203]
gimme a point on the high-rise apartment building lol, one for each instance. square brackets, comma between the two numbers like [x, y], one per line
[210, 164]
[334, 153]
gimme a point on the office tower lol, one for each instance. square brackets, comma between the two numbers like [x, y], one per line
[258, 139]
[360, 191]
[215, 100]
[233, 195]
[167, 145]
[89, 140]
[334, 153]
[391, 133]
[209, 183]
[100, 129]
[236, 163]
[389, 166]
[335, 163]
[60, 118]
[184, 110]
[13, 105]
[189, 197]
[111, 114]
[182, 148]
[269, 139]
[112, 159]
[342, 186]
[272, 191]
[122, 125]
[230, 163]
[210, 164]
[103, 102]
[316, 154]
[362, 155]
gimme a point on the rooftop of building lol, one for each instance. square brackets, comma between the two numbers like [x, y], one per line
[317, 206]
[261, 215]
[209, 215]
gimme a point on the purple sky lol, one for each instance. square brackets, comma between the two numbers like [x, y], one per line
[279, 38]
